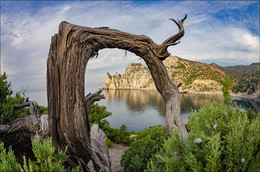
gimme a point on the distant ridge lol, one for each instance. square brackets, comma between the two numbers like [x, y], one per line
[255, 64]
[240, 71]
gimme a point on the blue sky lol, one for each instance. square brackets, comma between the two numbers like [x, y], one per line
[222, 32]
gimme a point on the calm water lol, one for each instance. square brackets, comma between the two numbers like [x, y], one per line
[141, 109]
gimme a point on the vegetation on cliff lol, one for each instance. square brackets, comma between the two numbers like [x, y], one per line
[249, 85]
[240, 71]
[195, 76]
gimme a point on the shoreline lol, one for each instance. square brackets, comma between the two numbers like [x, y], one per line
[255, 97]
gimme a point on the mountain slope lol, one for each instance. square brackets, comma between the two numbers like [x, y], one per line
[195, 76]
[240, 71]
[249, 85]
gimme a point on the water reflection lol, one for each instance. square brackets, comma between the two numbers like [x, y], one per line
[137, 100]
[139, 109]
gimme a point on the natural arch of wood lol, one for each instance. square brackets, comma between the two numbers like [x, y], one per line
[69, 53]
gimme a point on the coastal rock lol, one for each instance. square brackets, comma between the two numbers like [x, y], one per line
[196, 77]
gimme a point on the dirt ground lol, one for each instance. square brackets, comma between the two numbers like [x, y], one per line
[115, 154]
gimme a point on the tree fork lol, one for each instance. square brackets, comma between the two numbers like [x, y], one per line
[69, 53]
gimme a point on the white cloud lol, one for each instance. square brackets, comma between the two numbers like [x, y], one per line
[219, 44]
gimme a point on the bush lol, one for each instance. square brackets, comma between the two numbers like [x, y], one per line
[108, 143]
[220, 139]
[147, 143]
[47, 158]
[226, 86]
[5, 88]
[118, 135]
[7, 111]
[42, 109]
[97, 114]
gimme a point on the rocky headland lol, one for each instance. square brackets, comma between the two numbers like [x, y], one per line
[196, 77]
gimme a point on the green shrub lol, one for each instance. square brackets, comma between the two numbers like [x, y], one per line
[108, 143]
[7, 111]
[220, 139]
[147, 143]
[42, 109]
[97, 114]
[7, 160]
[47, 159]
[118, 135]
[226, 86]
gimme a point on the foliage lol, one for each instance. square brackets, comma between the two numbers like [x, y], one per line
[108, 143]
[118, 135]
[248, 85]
[97, 114]
[226, 86]
[47, 158]
[187, 72]
[7, 111]
[147, 143]
[5, 88]
[220, 139]
[7, 160]
[42, 109]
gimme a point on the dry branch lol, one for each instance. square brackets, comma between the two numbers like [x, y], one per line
[30, 123]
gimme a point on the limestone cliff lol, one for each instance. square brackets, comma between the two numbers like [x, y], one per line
[195, 76]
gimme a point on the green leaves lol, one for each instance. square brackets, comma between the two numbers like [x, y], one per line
[5, 88]
[7, 111]
[97, 114]
[7, 160]
[226, 86]
[47, 158]
[230, 142]
[147, 143]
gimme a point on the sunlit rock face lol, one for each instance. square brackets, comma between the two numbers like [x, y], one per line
[196, 77]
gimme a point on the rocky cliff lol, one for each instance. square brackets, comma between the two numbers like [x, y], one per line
[195, 76]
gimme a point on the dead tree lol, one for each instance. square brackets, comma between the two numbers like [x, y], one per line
[31, 123]
[69, 53]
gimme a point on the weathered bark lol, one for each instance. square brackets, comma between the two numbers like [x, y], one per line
[91, 98]
[30, 123]
[69, 53]
[31, 104]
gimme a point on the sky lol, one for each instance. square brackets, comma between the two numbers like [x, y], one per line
[222, 32]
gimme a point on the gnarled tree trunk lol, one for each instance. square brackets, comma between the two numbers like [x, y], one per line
[69, 53]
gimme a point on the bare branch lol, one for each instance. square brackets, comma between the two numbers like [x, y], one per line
[179, 84]
[173, 39]
[91, 98]
[183, 92]
[32, 104]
